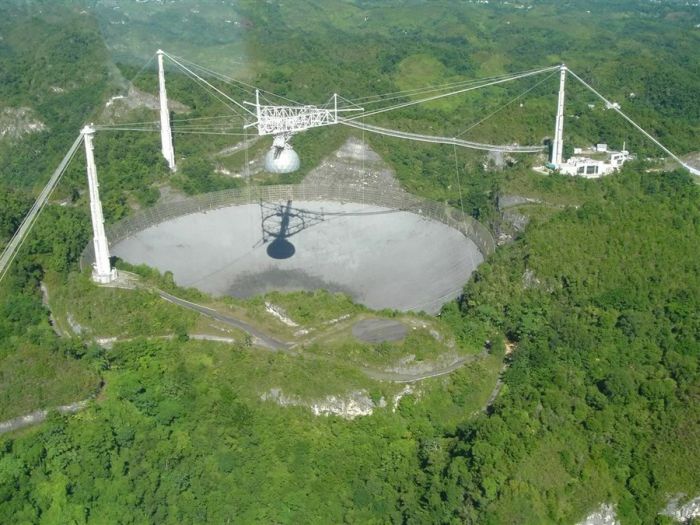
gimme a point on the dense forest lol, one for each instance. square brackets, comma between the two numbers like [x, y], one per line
[597, 301]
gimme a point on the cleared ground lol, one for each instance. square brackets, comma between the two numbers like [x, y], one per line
[382, 258]
[379, 330]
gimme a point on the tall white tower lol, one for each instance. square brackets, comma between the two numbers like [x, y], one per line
[102, 271]
[166, 136]
[558, 145]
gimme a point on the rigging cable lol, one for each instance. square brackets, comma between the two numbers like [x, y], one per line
[459, 182]
[17, 241]
[504, 106]
[230, 80]
[436, 87]
[200, 79]
[611, 105]
[456, 92]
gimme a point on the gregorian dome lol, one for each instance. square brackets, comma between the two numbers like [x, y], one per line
[281, 160]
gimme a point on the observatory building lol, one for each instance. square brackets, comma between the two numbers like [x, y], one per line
[592, 168]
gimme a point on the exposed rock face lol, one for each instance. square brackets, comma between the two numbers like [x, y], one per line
[605, 515]
[119, 105]
[355, 404]
[407, 390]
[74, 325]
[530, 280]
[682, 513]
[16, 122]
[279, 313]
[357, 165]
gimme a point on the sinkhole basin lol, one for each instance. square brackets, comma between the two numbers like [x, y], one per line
[381, 257]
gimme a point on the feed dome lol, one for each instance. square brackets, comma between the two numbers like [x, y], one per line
[281, 160]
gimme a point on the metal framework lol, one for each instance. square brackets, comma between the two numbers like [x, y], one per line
[284, 120]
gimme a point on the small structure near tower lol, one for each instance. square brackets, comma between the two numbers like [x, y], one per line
[592, 168]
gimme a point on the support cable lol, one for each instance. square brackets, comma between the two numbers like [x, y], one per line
[175, 130]
[611, 105]
[504, 106]
[13, 246]
[148, 63]
[452, 93]
[156, 122]
[436, 87]
[230, 80]
[217, 97]
[186, 69]
[441, 140]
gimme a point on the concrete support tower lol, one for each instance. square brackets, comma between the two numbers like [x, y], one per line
[102, 271]
[166, 136]
[558, 145]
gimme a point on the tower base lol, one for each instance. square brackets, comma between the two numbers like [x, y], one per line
[102, 278]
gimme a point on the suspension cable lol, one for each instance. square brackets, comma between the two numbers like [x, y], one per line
[231, 80]
[504, 106]
[17, 241]
[463, 90]
[186, 69]
[611, 105]
[439, 87]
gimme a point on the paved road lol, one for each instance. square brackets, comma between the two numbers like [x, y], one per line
[259, 337]
[40, 415]
[273, 344]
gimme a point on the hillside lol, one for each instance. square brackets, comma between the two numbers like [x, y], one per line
[567, 375]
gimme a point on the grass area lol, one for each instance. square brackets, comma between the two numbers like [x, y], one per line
[329, 347]
[537, 213]
[323, 322]
[552, 189]
[310, 378]
[428, 340]
[312, 309]
[210, 327]
[421, 70]
[33, 377]
[105, 312]
[255, 371]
